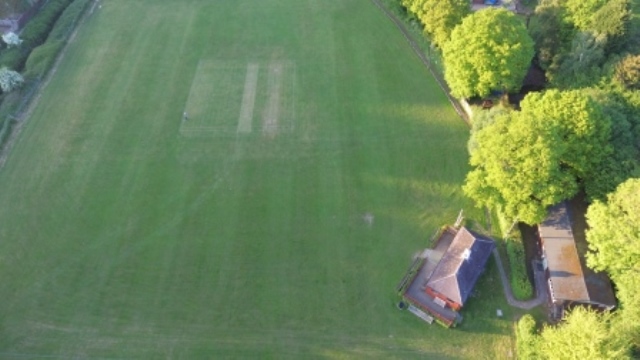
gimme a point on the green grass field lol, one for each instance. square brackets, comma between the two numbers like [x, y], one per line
[127, 232]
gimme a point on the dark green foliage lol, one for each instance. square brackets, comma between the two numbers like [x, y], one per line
[580, 67]
[627, 72]
[13, 7]
[38, 28]
[38, 60]
[520, 283]
[14, 57]
[624, 162]
[43, 56]
[34, 34]
[612, 20]
[576, 40]
[598, 38]
[551, 34]
[68, 20]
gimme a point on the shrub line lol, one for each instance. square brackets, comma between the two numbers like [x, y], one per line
[9, 134]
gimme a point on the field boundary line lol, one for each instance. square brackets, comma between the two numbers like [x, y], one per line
[414, 45]
[272, 109]
[21, 119]
[248, 98]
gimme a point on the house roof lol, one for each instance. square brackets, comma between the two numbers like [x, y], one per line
[461, 265]
[569, 278]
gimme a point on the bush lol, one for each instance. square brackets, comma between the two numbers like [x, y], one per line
[34, 33]
[42, 59]
[43, 56]
[10, 80]
[38, 28]
[52, 25]
[520, 284]
[68, 20]
[14, 57]
[11, 39]
[526, 338]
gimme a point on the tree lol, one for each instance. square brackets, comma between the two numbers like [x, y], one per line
[627, 72]
[627, 286]
[612, 21]
[624, 162]
[439, 17]
[528, 160]
[614, 244]
[614, 230]
[482, 119]
[580, 67]
[11, 39]
[490, 50]
[580, 12]
[550, 32]
[527, 340]
[583, 335]
[574, 38]
[10, 80]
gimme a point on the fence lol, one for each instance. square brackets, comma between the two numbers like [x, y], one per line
[426, 60]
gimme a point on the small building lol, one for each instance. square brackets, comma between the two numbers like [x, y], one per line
[448, 273]
[569, 280]
[460, 267]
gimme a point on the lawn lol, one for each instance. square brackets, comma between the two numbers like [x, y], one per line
[130, 232]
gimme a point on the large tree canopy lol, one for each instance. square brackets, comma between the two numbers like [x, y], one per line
[581, 65]
[627, 72]
[581, 12]
[551, 33]
[490, 50]
[584, 335]
[527, 160]
[624, 163]
[614, 230]
[575, 39]
[439, 17]
[614, 243]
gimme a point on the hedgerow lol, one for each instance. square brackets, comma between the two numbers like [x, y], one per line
[43, 56]
[520, 283]
[34, 33]
[42, 59]
[44, 37]
[519, 279]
